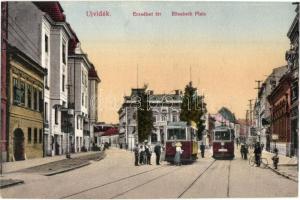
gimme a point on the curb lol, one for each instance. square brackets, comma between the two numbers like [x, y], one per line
[286, 176]
[102, 157]
[66, 170]
[15, 182]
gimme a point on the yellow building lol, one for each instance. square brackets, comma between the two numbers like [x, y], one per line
[26, 83]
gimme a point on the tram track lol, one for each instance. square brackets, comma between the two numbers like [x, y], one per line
[111, 182]
[145, 183]
[196, 179]
[228, 179]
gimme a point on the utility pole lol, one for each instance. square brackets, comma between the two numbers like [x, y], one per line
[247, 123]
[250, 111]
[258, 86]
[190, 73]
[258, 116]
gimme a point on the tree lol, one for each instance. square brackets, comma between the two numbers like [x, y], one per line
[144, 116]
[193, 108]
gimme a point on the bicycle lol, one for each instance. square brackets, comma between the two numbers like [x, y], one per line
[263, 161]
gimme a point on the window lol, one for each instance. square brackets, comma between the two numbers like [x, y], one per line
[164, 117]
[82, 99]
[29, 135]
[174, 117]
[82, 77]
[41, 136]
[41, 101]
[176, 134]
[16, 91]
[29, 96]
[78, 122]
[153, 137]
[154, 118]
[222, 135]
[86, 101]
[46, 43]
[56, 115]
[22, 92]
[64, 53]
[46, 112]
[34, 98]
[63, 83]
[35, 136]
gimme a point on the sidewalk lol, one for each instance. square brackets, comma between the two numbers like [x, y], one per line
[47, 166]
[287, 167]
[9, 167]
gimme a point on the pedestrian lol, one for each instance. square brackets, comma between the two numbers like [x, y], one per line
[202, 148]
[148, 152]
[142, 153]
[136, 155]
[177, 160]
[245, 151]
[157, 150]
[242, 150]
[275, 158]
[257, 152]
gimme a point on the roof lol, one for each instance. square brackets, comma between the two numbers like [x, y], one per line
[227, 114]
[93, 74]
[111, 131]
[53, 9]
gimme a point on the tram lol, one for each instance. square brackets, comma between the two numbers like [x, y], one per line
[223, 142]
[185, 135]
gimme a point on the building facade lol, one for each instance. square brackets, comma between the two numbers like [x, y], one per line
[26, 122]
[165, 108]
[44, 36]
[94, 81]
[3, 78]
[292, 58]
[280, 115]
[262, 112]
[79, 67]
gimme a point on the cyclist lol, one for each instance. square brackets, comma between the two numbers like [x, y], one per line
[257, 152]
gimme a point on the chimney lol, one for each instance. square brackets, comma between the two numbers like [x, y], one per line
[177, 92]
[151, 92]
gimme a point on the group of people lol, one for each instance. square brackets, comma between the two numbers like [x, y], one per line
[143, 154]
[257, 152]
[244, 151]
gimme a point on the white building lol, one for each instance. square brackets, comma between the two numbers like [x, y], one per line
[78, 81]
[94, 80]
[45, 39]
[165, 108]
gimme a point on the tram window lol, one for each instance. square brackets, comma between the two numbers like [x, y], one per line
[176, 134]
[222, 135]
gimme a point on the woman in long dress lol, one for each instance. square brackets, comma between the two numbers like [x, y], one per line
[177, 160]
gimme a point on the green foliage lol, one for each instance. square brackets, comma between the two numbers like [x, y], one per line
[193, 108]
[145, 117]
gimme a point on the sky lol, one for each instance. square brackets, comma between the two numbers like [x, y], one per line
[229, 48]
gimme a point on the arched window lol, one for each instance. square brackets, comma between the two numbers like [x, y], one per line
[164, 115]
[175, 116]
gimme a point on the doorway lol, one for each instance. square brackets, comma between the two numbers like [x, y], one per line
[19, 151]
